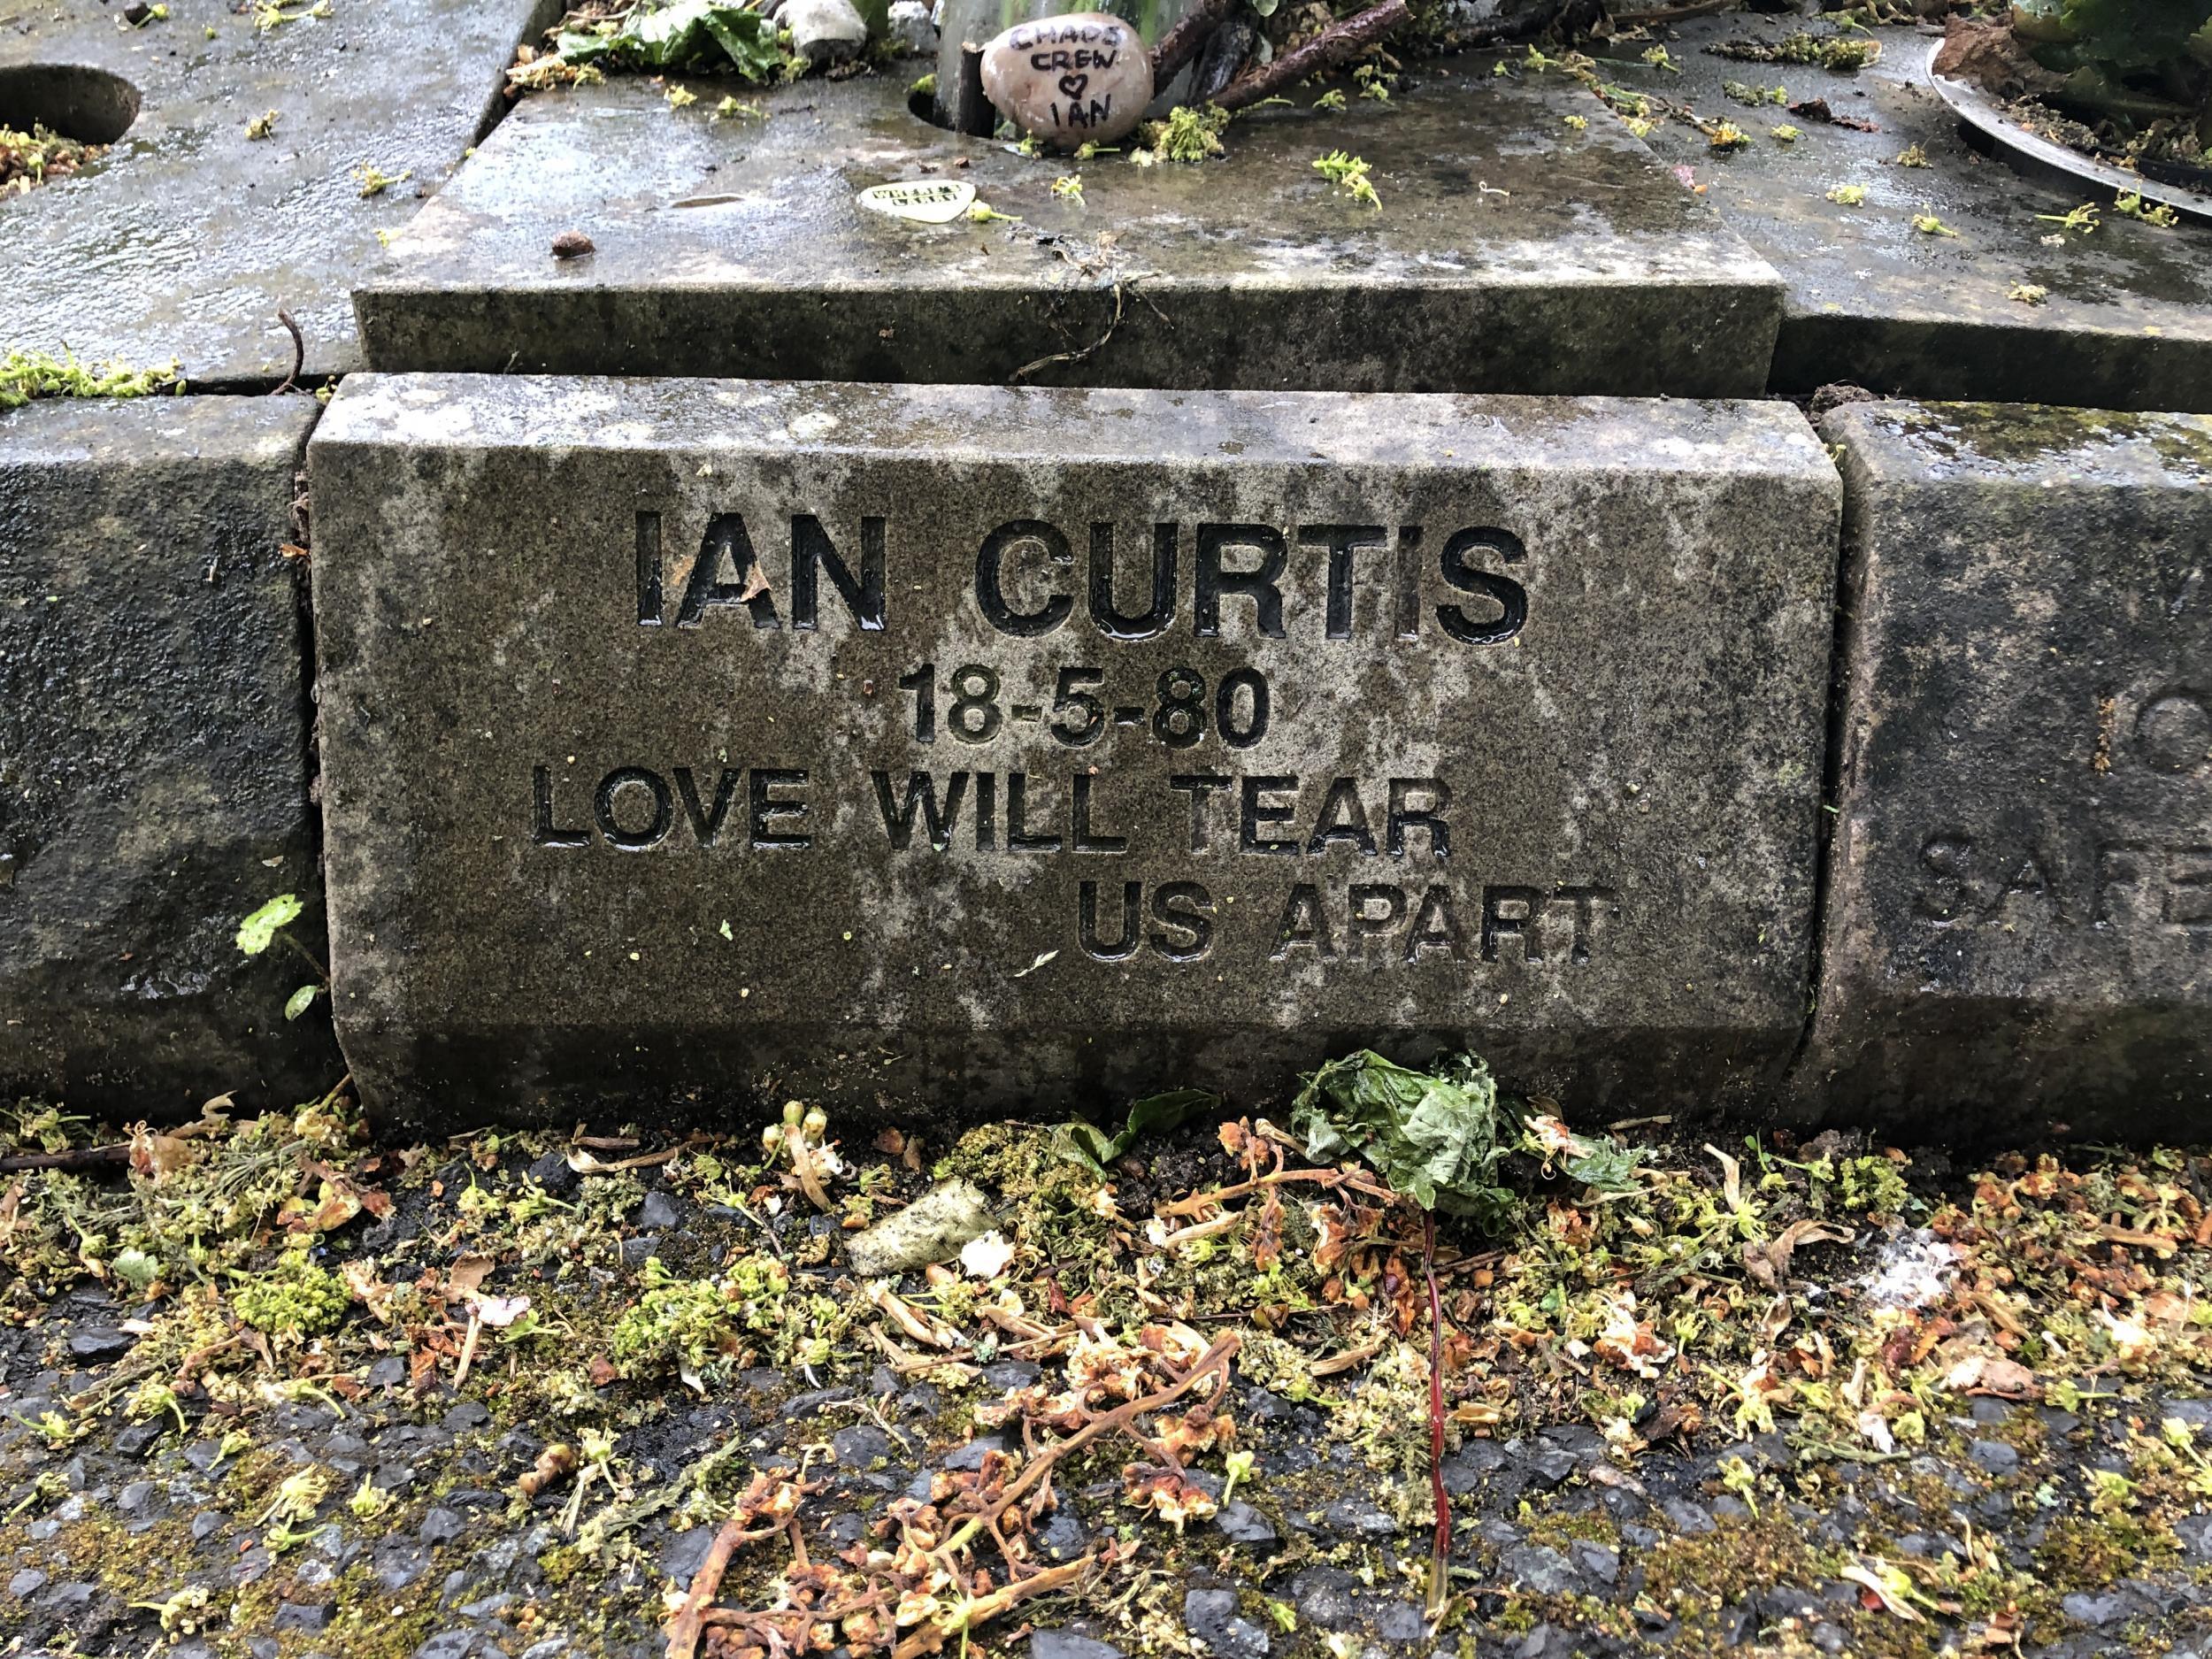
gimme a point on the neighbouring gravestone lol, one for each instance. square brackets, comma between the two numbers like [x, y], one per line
[153, 754]
[2019, 919]
[248, 143]
[697, 743]
[1511, 252]
[2003, 300]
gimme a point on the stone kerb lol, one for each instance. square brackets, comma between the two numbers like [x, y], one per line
[1513, 253]
[697, 743]
[1995, 298]
[2018, 924]
[153, 755]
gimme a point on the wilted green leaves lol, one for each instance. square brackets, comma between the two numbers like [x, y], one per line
[1085, 1143]
[1436, 1137]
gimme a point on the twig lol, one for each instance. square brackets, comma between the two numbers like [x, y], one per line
[1078, 354]
[1214, 1360]
[74, 1158]
[1197, 1201]
[468, 1350]
[1186, 38]
[299, 361]
[683, 1627]
[983, 1608]
[1325, 50]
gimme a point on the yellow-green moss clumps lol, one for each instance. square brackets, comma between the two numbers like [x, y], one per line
[293, 1298]
[27, 374]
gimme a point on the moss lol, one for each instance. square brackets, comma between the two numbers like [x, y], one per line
[25, 375]
[1735, 1560]
[2089, 1552]
[2024, 436]
[1187, 134]
[293, 1298]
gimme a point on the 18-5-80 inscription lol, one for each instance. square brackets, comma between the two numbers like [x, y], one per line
[883, 742]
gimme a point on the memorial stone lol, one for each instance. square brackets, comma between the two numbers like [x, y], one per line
[1994, 300]
[153, 755]
[2019, 917]
[1512, 252]
[247, 141]
[698, 744]
[1080, 78]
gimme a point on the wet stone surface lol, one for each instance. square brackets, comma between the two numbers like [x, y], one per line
[2127, 320]
[1512, 253]
[153, 757]
[2021, 865]
[185, 241]
[734, 738]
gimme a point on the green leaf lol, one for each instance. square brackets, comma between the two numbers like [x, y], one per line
[136, 1268]
[1435, 1137]
[257, 930]
[301, 1001]
[690, 34]
[1085, 1143]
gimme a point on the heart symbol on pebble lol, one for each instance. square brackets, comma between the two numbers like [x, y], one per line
[1074, 85]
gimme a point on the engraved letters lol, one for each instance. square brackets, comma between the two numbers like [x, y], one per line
[1005, 762]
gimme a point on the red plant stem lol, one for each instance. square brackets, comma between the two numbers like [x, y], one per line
[1441, 1551]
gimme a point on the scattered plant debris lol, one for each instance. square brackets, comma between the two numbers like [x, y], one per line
[29, 159]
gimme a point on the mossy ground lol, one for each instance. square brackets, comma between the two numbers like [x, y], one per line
[1791, 1399]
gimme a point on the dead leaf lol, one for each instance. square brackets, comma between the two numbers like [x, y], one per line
[466, 1277]
[154, 1155]
[1992, 1374]
[1887, 1587]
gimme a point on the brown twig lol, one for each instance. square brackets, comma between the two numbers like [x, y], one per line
[299, 361]
[683, 1627]
[1214, 1360]
[1187, 39]
[983, 1608]
[1197, 1201]
[74, 1158]
[1325, 50]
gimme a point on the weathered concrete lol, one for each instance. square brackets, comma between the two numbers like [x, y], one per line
[189, 236]
[2128, 320]
[153, 754]
[1510, 253]
[621, 804]
[2019, 924]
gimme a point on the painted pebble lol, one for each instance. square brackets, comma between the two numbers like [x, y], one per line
[1082, 77]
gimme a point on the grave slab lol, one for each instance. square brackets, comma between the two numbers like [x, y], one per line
[153, 755]
[189, 236]
[697, 744]
[2127, 322]
[1510, 253]
[2019, 921]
